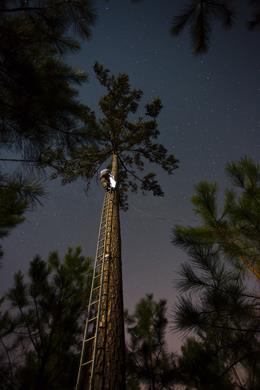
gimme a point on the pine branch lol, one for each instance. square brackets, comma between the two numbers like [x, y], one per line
[10, 363]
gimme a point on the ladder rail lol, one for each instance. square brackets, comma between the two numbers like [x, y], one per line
[107, 221]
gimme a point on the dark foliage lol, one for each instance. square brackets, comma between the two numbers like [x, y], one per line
[148, 362]
[201, 368]
[254, 23]
[224, 316]
[41, 323]
[38, 99]
[234, 230]
[214, 302]
[199, 16]
[17, 195]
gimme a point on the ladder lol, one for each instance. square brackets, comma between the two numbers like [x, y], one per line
[92, 359]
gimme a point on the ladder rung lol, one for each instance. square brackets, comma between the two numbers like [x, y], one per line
[93, 303]
[97, 276]
[99, 261]
[96, 287]
[89, 339]
[84, 364]
[92, 319]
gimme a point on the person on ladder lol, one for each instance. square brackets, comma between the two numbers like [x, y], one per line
[107, 180]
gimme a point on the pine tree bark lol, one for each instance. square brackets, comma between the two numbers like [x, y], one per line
[109, 371]
[115, 346]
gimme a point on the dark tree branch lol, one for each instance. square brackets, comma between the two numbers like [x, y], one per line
[128, 170]
[8, 358]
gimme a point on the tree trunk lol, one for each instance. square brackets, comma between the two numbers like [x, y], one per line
[115, 346]
[109, 371]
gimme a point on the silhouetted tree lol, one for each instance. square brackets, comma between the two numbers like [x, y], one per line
[234, 229]
[148, 362]
[38, 100]
[217, 306]
[41, 323]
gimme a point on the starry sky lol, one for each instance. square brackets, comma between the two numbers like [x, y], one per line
[210, 116]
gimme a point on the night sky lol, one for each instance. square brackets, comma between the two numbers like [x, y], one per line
[210, 116]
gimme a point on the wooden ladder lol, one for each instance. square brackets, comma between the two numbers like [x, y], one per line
[93, 347]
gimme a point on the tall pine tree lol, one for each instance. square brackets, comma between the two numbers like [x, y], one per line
[129, 147]
[148, 362]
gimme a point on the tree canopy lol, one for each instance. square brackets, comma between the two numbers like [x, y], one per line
[38, 99]
[133, 141]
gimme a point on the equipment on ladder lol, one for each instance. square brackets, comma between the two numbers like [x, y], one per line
[92, 360]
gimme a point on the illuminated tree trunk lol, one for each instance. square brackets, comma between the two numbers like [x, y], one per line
[109, 367]
[115, 345]
[102, 362]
